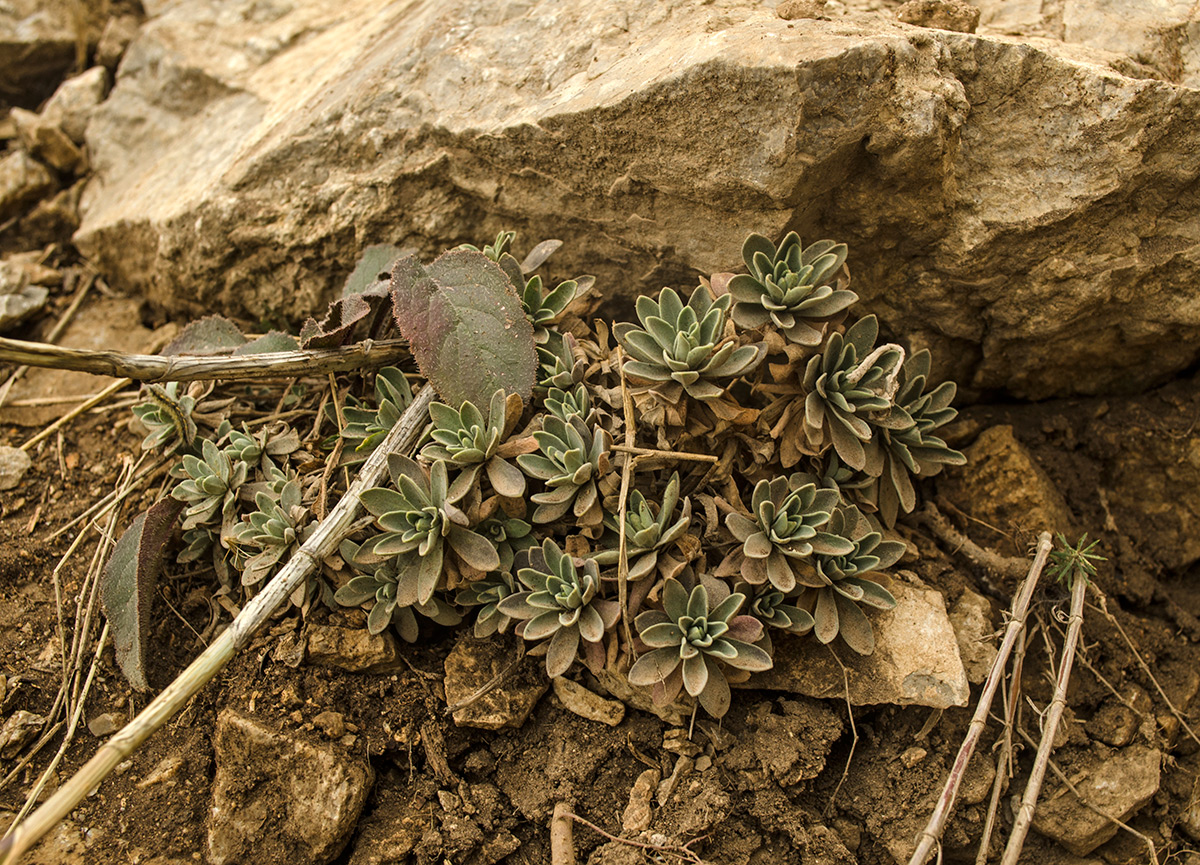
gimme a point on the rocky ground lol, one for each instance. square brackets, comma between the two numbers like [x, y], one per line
[1021, 199]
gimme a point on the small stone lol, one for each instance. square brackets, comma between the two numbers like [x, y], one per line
[351, 649]
[703, 763]
[677, 742]
[1006, 488]
[72, 104]
[587, 704]
[955, 15]
[18, 731]
[1113, 724]
[332, 724]
[682, 766]
[23, 182]
[14, 462]
[915, 663]
[47, 141]
[977, 782]
[794, 10]
[273, 790]
[471, 665]
[638, 811]
[1118, 785]
[913, 756]
[118, 33]
[971, 619]
[105, 725]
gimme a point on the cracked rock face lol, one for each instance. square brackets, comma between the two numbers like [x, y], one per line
[1025, 206]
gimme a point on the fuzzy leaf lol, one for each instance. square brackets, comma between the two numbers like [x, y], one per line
[275, 340]
[127, 590]
[213, 334]
[466, 326]
[373, 269]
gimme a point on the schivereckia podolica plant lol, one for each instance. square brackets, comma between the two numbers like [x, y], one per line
[759, 397]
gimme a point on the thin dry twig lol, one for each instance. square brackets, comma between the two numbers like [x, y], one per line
[952, 537]
[156, 368]
[1103, 610]
[117, 385]
[1004, 760]
[236, 637]
[114, 498]
[665, 455]
[1020, 609]
[853, 732]
[679, 851]
[1016, 840]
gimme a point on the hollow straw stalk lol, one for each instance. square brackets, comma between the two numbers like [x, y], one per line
[1034, 786]
[1020, 609]
[322, 543]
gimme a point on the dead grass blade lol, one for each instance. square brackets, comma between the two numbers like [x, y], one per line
[320, 544]
[1058, 703]
[1020, 610]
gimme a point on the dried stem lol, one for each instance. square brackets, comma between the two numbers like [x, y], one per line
[626, 477]
[320, 544]
[1019, 612]
[933, 518]
[1034, 786]
[562, 838]
[78, 410]
[1066, 782]
[1103, 608]
[155, 368]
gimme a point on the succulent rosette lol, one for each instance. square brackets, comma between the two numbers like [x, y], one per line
[677, 345]
[785, 528]
[559, 604]
[692, 641]
[836, 584]
[793, 287]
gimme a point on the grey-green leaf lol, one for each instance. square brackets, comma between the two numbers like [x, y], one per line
[127, 588]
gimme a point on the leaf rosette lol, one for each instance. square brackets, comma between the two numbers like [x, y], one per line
[785, 528]
[792, 288]
[692, 641]
[649, 530]
[465, 439]
[418, 521]
[366, 428]
[560, 605]
[572, 457]
[849, 391]
[393, 602]
[837, 583]
[680, 349]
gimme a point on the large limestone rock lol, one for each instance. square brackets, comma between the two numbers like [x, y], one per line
[1020, 204]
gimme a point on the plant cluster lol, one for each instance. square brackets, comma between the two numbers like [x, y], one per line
[767, 449]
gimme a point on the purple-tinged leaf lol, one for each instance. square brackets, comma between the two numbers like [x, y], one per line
[127, 588]
[335, 329]
[467, 328]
